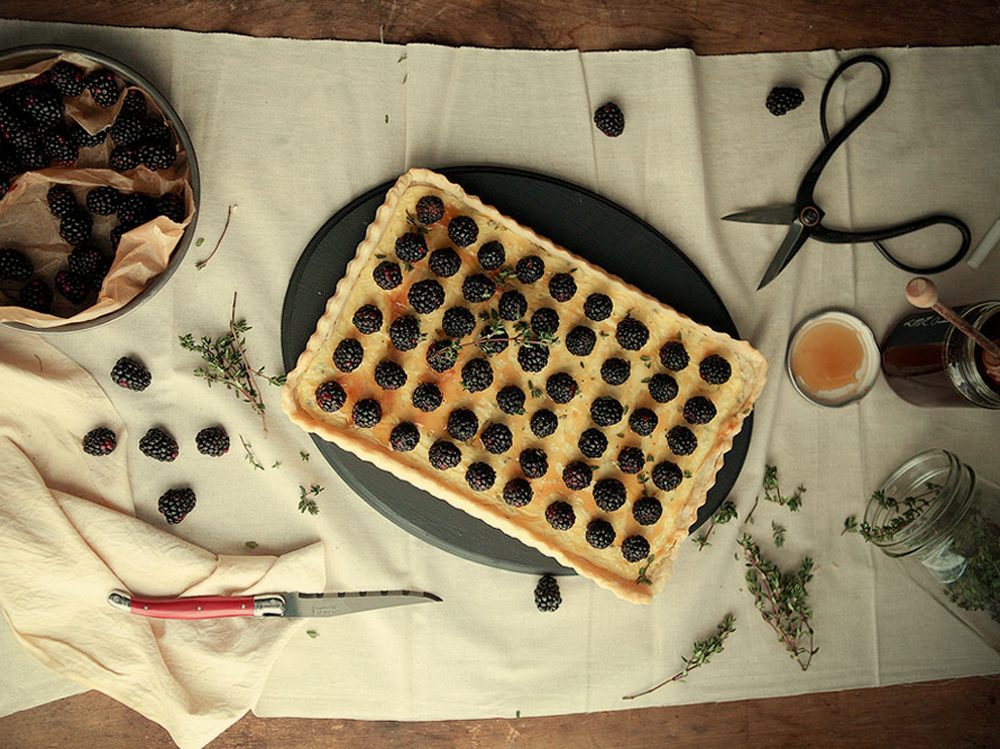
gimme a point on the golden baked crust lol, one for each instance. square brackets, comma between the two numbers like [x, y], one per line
[637, 579]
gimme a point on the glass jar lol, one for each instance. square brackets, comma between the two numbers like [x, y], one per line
[942, 522]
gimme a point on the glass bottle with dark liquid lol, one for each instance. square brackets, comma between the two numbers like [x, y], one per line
[929, 363]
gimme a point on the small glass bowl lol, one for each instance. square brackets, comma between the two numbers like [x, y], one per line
[866, 373]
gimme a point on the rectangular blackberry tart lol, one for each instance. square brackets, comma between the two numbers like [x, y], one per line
[524, 385]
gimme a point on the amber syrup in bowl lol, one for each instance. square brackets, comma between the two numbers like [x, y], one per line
[832, 358]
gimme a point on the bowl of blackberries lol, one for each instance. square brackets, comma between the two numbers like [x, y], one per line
[99, 189]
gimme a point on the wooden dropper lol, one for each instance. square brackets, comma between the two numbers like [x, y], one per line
[921, 292]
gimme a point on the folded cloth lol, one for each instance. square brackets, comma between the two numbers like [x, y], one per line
[68, 537]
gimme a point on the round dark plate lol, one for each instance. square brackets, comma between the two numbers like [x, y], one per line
[583, 222]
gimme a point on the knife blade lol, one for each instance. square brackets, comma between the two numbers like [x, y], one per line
[779, 214]
[796, 237]
[290, 605]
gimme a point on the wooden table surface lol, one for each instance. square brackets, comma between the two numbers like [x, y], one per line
[954, 713]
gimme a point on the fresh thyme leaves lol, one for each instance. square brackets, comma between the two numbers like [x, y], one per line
[642, 579]
[307, 499]
[778, 533]
[312, 633]
[202, 263]
[725, 513]
[251, 458]
[304, 455]
[772, 493]
[494, 333]
[781, 599]
[702, 653]
[251, 544]
[904, 513]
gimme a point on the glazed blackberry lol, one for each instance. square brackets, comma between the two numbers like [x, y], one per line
[593, 443]
[366, 413]
[631, 460]
[212, 441]
[61, 201]
[103, 87]
[67, 79]
[367, 319]
[462, 424]
[562, 287]
[348, 355]
[674, 356]
[529, 269]
[615, 371]
[100, 441]
[577, 476]
[102, 201]
[606, 411]
[72, 286]
[477, 375]
[600, 534]
[404, 437]
[497, 438]
[430, 209]
[15, 265]
[133, 210]
[462, 230]
[510, 399]
[330, 396]
[493, 339]
[560, 516]
[458, 322]
[427, 397]
[608, 118]
[126, 130]
[172, 206]
[561, 387]
[491, 255]
[699, 410]
[36, 295]
[534, 462]
[159, 445]
[444, 455]
[643, 421]
[547, 597]
[123, 158]
[662, 387]
[404, 333]
[681, 441]
[480, 477]
[130, 374]
[478, 288]
[387, 275]
[544, 321]
[441, 356]
[176, 504]
[609, 494]
[444, 262]
[517, 492]
[783, 99]
[411, 247]
[389, 375]
[580, 341]
[156, 156]
[667, 476]
[598, 307]
[631, 334]
[635, 548]
[543, 423]
[425, 296]
[715, 370]
[512, 305]
[647, 510]
[533, 356]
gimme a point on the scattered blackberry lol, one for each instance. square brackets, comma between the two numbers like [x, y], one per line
[491, 255]
[156, 156]
[123, 158]
[411, 247]
[126, 130]
[36, 295]
[783, 99]
[61, 201]
[493, 339]
[404, 437]
[560, 515]
[367, 319]
[444, 455]
[497, 438]
[480, 477]
[85, 139]
[130, 374]
[158, 445]
[348, 355]
[444, 262]
[667, 476]
[172, 206]
[15, 265]
[598, 307]
[609, 119]
[133, 210]
[662, 387]
[462, 424]
[212, 441]
[512, 305]
[699, 410]
[430, 209]
[478, 288]
[631, 460]
[600, 534]
[606, 411]
[427, 397]
[534, 462]
[76, 227]
[67, 79]
[134, 104]
[389, 375]
[404, 332]
[543, 423]
[72, 286]
[425, 296]
[387, 275]
[561, 387]
[441, 356]
[533, 356]
[330, 396]
[635, 548]
[462, 230]
[580, 341]
[103, 201]
[510, 399]
[517, 492]
[577, 476]
[647, 510]
[103, 87]
[631, 334]
[60, 146]
[593, 443]
[366, 413]
[458, 322]
[545, 321]
[175, 504]
[674, 356]
[643, 421]
[529, 269]
[615, 371]
[100, 441]
[547, 597]
[681, 441]
[86, 260]
[715, 370]
[609, 494]
[477, 375]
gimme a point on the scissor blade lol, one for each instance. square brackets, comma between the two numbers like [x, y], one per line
[795, 238]
[781, 214]
[336, 604]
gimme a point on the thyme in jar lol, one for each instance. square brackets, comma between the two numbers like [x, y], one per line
[978, 589]
[906, 511]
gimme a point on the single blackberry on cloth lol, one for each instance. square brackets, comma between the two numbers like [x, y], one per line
[491, 255]
[477, 375]
[367, 319]
[457, 322]
[643, 421]
[404, 333]
[635, 548]
[615, 371]
[593, 443]
[512, 305]
[35, 295]
[609, 494]
[462, 424]
[387, 275]
[561, 387]
[463, 231]
[444, 455]
[159, 445]
[99, 441]
[681, 441]
[497, 438]
[404, 437]
[577, 476]
[510, 399]
[534, 462]
[600, 534]
[580, 341]
[176, 504]
[547, 596]
[715, 370]
[529, 269]
[560, 515]
[389, 375]
[662, 387]
[631, 460]
[647, 510]
[480, 477]
[430, 209]
[606, 411]
[674, 356]
[609, 119]
[348, 355]
[562, 287]
[543, 423]
[477, 288]
[444, 262]
[15, 265]
[411, 247]
[330, 396]
[783, 99]
[102, 201]
[366, 413]
[130, 374]
[631, 334]
[517, 492]
[427, 397]
[699, 410]
[212, 441]
[667, 476]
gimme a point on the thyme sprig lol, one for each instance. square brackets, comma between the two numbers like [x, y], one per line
[202, 263]
[307, 499]
[495, 332]
[725, 513]
[772, 493]
[906, 511]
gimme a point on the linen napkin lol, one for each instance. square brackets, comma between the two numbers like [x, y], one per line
[68, 537]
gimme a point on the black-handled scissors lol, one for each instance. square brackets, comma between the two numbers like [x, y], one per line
[805, 218]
